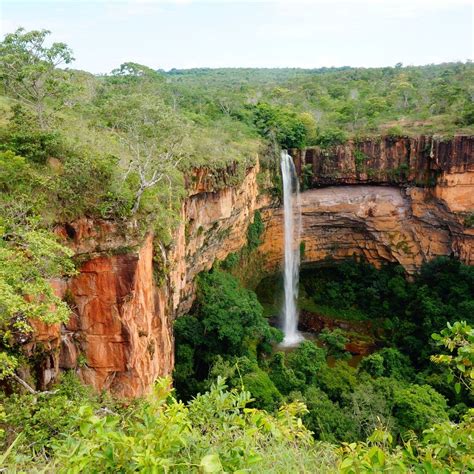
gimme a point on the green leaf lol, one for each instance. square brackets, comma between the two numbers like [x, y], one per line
[346, 463]
[381, 457]
[211, 463]
[457, 387]
[84, 428]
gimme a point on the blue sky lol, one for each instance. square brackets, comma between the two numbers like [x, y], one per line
[192, 33]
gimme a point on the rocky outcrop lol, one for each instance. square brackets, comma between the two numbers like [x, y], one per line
[380, 223]
[119, 336]
[363, 336]
[418, 161]
[214, 224]
[425, 191]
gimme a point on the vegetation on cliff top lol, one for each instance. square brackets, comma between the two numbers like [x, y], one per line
[325, 106]
[119, 147]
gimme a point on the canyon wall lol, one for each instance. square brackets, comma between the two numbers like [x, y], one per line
[129, 288]
[119, 337]
[423, 195]
[444, 165]
[380, 223]
[214, 224]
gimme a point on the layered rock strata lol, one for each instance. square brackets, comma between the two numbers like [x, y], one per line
[380, 223]
[119, 337]
[418, 160]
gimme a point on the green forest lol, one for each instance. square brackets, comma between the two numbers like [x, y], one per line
[119, 147]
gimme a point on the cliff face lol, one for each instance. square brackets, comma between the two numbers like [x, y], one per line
[380, 223]
[119, 336]
[420, 160]
[425, 188]
[447, 166]
[214, 224]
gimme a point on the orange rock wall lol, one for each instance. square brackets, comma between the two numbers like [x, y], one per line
[120, 324]
[214, 224]
[380, 223]
[119, 336]
[419, 160]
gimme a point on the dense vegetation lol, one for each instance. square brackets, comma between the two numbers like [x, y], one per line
[325, 106]
[280, 412]
[397, 386]
[74, 145]
[120, 147]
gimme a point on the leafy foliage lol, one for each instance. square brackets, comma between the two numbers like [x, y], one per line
[458, 339]
[28, 70]
[335, 342]
[215, 431]
[118, 147]
[29, 257]
[280, 124]
[418, 407]
[228, 321]
[333, 103]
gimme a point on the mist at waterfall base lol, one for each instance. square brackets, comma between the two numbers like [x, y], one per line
[292, 230]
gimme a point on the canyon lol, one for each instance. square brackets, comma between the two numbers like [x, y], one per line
[403, 200]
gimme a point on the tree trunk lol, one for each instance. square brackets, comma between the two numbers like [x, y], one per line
[138, 198]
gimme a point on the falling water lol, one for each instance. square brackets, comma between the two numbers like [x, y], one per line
[292, 218]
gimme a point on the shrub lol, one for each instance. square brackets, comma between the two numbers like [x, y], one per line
[307, 362]
[254, 231]
[281, 124]
[266, 395]
[373, 364]
[214, 432]
[388, 362]
[25, 138]
[335, 342]
[418, 407]
[284, 378]
[330, 137]
[326, 419]
[338, 381]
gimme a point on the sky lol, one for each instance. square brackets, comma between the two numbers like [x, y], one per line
[165, 34]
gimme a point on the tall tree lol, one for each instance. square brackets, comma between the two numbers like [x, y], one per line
[29, 70]
[153, 137]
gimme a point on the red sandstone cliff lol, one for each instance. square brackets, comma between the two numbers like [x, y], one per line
[380, 223]
[419, 160]
[119, 336]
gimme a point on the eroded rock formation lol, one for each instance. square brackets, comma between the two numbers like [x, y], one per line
[119, 336]
[120, 325]
[420, 161]
[380, 223]
[214, 224]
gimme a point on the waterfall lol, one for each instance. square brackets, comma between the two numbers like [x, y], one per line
[292, 230]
